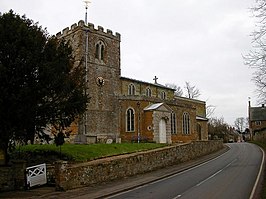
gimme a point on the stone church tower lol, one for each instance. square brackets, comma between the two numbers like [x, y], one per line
[99, 53]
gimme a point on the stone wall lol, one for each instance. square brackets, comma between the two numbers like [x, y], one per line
[71, 176]
[6, 179]
[13, 177]
[260, 136]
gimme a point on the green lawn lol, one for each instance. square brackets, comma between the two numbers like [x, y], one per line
[78, 153]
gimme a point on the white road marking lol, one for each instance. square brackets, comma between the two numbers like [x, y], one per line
[258, 176]
[216, 173]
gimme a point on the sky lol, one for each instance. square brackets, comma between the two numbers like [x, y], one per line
[201, 42]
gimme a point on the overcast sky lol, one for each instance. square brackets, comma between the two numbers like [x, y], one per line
[201, 42]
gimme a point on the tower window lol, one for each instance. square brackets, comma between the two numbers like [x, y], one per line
[102, 52]
[99, 51]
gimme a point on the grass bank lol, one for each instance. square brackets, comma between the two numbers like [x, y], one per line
[78, 153]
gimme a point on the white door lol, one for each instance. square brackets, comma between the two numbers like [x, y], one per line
[162, 131]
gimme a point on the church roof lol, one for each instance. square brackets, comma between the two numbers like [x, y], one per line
[158, 85]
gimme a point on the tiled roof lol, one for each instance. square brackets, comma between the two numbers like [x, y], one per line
[158, 85]
[257, 113]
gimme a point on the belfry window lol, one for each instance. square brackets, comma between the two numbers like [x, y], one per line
[130, 118]
[131, 89]
[102, 52]
[99, 51]
[186, 124]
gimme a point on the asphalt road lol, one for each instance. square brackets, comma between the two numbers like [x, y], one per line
[231, 175]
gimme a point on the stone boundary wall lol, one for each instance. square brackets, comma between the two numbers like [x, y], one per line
[261, 136]
[13, 177]
[6, 179]
[71, 176]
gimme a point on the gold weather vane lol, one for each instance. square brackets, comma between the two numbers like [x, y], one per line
[86, 7]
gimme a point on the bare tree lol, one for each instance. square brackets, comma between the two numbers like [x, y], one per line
[257, 57]
[178, 89]
[191, 91]
[241, 123]
[210, 110]
[218, 128]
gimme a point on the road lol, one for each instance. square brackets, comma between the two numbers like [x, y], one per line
[231, 175]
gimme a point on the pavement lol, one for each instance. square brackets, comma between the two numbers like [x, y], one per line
[104, 190]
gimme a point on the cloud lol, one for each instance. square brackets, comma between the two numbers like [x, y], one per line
[197, 41]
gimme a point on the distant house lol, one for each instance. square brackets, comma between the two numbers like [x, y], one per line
[257, 120]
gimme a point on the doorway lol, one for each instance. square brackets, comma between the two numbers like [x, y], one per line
[162, 131]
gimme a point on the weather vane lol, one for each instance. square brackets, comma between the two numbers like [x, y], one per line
[86, 7]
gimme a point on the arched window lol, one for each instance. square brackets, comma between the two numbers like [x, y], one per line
[186, 124]
[173, 123]
[148, 92]
[130, 119]
[163, 95]
[97, 55]
[102, 52]
[99, 51]
[131, 89]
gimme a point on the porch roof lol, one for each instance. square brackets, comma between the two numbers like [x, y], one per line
[201, 118]
[158, 106]
[153, 106]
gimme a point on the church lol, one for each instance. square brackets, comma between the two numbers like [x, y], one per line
[123, 109]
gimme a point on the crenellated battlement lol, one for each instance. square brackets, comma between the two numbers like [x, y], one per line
[90, 27]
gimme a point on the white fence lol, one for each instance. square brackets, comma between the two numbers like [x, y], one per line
[36, 175]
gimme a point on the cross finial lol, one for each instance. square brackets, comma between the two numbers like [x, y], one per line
[155, 80]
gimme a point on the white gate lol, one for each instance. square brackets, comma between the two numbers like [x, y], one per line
[36, 175]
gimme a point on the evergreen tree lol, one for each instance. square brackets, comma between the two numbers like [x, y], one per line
[39, 85]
